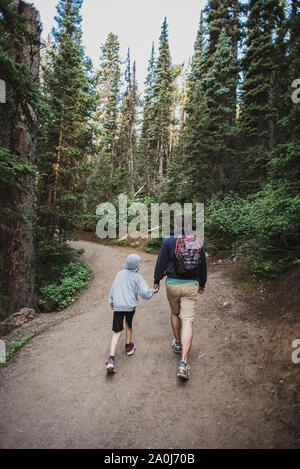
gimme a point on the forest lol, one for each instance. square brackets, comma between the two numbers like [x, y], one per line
[222, 129]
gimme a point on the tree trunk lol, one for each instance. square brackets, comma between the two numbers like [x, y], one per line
[131, 159]
[235, 42]
[19, 238]
[271, 124]
[57, 166]
[235, 36]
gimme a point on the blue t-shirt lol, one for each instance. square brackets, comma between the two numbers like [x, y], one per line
[179, 281]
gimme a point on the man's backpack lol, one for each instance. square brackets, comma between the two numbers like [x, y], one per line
[187, 256]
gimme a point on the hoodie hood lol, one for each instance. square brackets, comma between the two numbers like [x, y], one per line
[133, 262]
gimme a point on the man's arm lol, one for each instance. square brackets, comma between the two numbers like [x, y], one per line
[161, 263]
[203, 271]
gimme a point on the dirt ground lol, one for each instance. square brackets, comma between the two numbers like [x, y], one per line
[243, 392]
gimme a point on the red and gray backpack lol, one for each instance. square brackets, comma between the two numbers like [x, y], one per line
[187, 256]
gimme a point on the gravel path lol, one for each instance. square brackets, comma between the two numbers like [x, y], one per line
[242, 393]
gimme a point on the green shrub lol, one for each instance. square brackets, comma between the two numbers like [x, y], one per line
[73, 278]
[262, 229]
[153, 244]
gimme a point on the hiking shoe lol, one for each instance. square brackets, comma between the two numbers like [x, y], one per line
[176, 346]
[184, 371]
[130, 348]
[110, 366]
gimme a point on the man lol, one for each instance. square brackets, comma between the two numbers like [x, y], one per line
[182, 293]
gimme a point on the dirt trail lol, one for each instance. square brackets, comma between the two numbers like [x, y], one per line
[242, 392]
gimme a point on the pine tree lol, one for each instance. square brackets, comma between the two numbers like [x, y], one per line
[108, 86]
[147, 142]
[224, 14]
[236, 31]
[280, 84]
[163, 101]
[197, 73]
[107, 175]
[126, 147]
[207, 158]
[20, 30]
[198, 56]
[180, 172]
[67, 141]
[216, 165]
[217, 18]
[259, 109]
[284, 165]
[156, 140]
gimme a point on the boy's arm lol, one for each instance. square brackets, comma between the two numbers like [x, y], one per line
[110, 298]
[162, 262]
[144, 291]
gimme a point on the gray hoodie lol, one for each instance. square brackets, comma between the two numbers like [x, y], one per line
[127, 285]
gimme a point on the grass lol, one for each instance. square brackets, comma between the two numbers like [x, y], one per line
[18, 344]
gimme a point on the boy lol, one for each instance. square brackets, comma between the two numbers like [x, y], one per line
[123, 299]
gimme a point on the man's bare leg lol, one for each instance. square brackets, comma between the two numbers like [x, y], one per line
[186, 338]
[176, 326]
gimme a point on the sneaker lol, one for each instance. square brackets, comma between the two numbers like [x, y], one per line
[130, 348]
[176, 346]
[110, 366]
[184, 371]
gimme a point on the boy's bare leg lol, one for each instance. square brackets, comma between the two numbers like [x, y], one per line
[128, 334]
[114, 342]
[186, 338]
[176, 326]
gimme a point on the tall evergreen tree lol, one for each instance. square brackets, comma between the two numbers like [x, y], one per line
[197, 73]
[217, 18]
[163, 100]
[236, 32]
[224, 14]
[147, 143]
[107, 176]
[20, 30]
[127, 140]
[216, 165]
[67, 140]
[259, 109]
[208, 157]
[198, 57]
[108, 87]
[187, 151]
[284, 165]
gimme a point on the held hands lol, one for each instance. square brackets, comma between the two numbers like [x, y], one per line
[156, 287]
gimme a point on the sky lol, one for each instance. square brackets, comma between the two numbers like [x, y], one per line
[137, 23]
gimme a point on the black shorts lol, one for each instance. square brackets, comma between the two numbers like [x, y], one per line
[119, 320]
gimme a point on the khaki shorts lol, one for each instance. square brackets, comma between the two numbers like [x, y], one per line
[182, 299]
